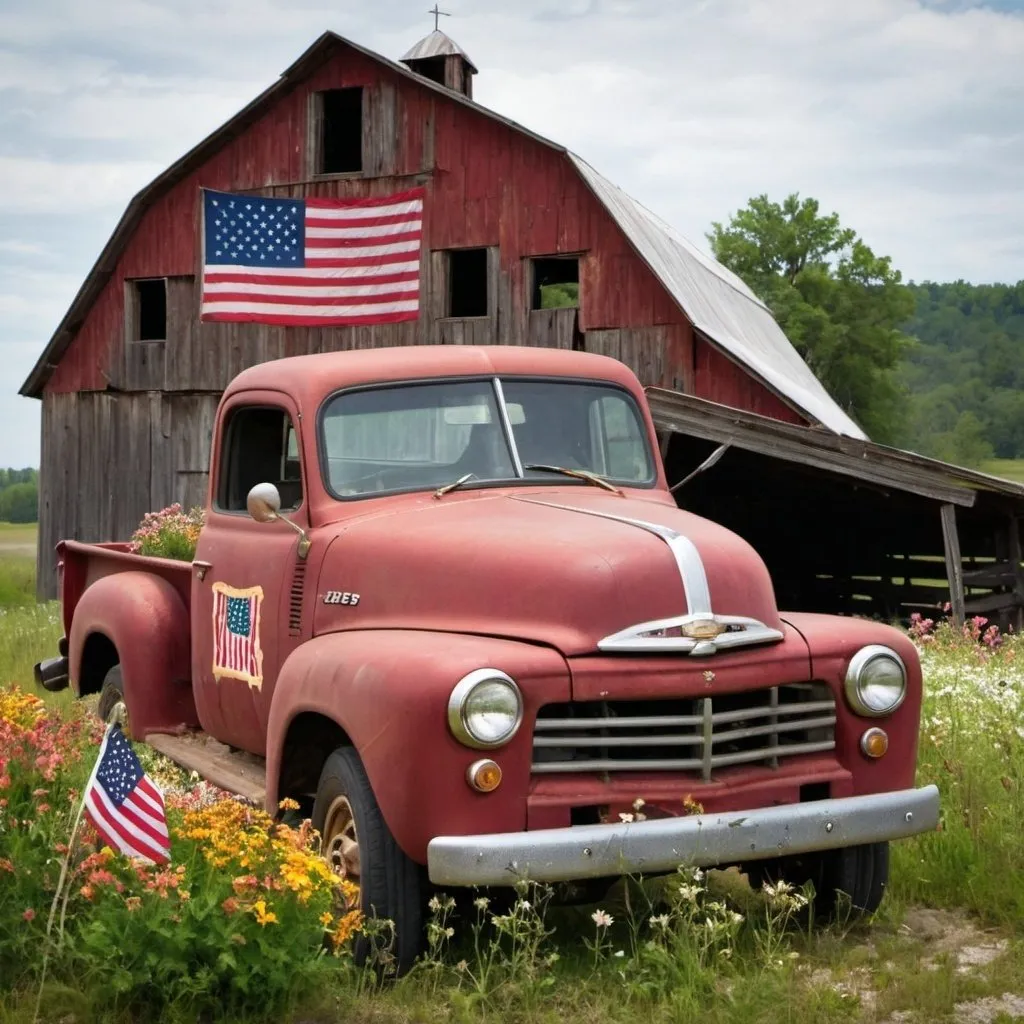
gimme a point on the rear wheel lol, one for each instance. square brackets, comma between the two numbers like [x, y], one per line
[359, 847]
[849, 883]
[112, 706]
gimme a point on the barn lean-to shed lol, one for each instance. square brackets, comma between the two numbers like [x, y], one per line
[130, 380]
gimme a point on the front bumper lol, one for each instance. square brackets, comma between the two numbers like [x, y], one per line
[657, 846]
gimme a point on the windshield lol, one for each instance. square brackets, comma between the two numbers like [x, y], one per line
[425, 436]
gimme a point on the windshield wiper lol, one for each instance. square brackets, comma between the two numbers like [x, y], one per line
[580, 474]
[442, 491]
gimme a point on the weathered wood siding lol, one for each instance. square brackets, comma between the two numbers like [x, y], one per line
[108, 459]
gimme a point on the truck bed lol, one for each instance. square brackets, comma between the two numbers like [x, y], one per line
[80, 564]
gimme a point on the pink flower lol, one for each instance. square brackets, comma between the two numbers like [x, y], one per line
[29, 914]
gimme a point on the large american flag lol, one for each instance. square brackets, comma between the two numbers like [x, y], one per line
[124, 805]
[236, 634]
[311, 261]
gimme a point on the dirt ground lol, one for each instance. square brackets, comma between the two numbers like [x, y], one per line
[936, 942]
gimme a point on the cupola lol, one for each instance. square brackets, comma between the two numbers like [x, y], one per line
[439, 58]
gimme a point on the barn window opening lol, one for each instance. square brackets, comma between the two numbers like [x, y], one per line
[467, 282]
[556, 282]
[151, 310]
[341, 132]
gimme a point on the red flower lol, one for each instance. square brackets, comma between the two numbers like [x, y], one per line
[29, 914]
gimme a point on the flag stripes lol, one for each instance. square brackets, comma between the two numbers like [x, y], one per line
[312, 261]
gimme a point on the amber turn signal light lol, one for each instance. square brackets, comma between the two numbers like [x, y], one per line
[874, 743]
[484, 776]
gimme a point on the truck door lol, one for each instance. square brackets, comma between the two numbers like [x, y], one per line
[241, 586]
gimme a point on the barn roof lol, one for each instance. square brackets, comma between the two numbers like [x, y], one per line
[719, 304]
[437, 44]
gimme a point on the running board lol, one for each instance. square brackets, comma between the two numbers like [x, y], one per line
[234, 770]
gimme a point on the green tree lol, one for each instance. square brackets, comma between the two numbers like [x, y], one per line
[19, 503]
[969, 358]
[840, 304]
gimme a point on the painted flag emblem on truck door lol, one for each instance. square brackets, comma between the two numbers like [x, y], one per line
[316, 261]
[236, 634]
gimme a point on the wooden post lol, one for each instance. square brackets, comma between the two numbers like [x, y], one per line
[1016, 615]
[954, 566]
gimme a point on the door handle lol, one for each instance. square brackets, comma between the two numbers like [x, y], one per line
[202, 569]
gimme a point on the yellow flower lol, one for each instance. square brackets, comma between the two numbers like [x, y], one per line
[288, 804]
[347, 927]
[262, 915]
[326, 918]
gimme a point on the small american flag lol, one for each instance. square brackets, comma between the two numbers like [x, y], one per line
[124, 804]
[236, 634]
[315, 262]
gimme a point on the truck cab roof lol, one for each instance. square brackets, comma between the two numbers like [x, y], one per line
[308, 378]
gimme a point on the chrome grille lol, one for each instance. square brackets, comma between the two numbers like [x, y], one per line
[695, 735]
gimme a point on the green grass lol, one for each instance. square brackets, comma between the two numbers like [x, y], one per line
[909, 957]
[1009, 469]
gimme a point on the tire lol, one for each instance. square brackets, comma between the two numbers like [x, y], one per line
[112, 706]
[849, 883]
[391, 885]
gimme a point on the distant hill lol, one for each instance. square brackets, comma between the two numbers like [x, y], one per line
[965, 372]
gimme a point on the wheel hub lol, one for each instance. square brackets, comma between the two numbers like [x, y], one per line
[119, 713]
[341, 842]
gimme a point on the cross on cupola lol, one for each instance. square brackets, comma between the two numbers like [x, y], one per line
[438, 15]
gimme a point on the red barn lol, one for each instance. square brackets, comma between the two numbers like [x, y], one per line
[131, 378]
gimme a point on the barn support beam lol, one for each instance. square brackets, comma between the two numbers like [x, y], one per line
[954, 564]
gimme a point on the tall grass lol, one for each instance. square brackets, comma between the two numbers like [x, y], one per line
[972, 747]
[526, 963]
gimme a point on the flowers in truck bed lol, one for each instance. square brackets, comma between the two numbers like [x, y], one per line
[170, 533]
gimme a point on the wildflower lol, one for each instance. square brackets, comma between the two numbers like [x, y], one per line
[462, 966]
[639, 803]
[449, 933]
[262, 915]
[184, 895]
[481, 903]
[326, 919]
[661, 921]
[347, 926]
[434, 904]
[288, 804]
[627, 818]
[620, 952]
[523, 905]
[602, 919]
[689, 892]
[29, 914]
[6, 865]
[230, 905]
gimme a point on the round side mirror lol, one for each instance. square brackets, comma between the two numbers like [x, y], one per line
[263, 503]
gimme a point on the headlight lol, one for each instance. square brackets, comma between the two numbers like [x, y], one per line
[876, 681]
[485, 709]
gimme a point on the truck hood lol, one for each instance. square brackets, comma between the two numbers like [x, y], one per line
[580, 571]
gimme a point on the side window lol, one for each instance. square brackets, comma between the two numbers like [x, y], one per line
[625, 452]
[260, 446]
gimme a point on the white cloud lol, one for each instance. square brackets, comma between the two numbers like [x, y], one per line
[69, 190]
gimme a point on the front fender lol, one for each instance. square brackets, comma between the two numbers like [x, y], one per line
[833, 640]
[144, 617]
[389, 689]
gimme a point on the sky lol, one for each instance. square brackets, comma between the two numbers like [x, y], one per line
[905, 117]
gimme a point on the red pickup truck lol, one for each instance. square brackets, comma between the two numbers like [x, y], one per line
[445, 600]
